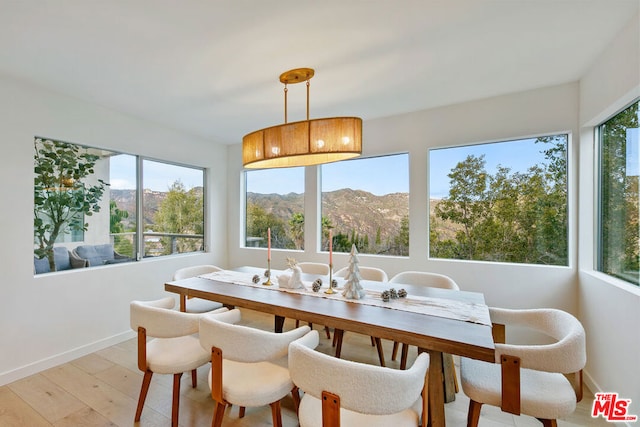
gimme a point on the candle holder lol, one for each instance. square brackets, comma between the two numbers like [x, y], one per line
[330, 290]
[268, 281]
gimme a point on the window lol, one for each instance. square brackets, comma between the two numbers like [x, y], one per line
[619, 243]
[87, 203]
[366, 203]
[502, 202]
[274, 199]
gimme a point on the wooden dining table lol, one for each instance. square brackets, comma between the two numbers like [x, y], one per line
[435, 334]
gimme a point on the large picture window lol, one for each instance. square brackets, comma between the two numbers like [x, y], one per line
[502, 202]
[90, 209]
[274, 200]
[366, 203]
[619, 244]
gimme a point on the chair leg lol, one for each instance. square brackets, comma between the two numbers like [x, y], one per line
[337, 337]
[328, 332]
[548, 423]
[394, 352]
[146, 381]
[241, 411]
[373, 342]
[474, 413]
[276, 414]
[218, 414]
[378, 343]
[194, 378]
[403, 356]
[176, 399]
[295, 394]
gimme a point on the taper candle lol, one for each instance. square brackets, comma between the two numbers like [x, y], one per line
[330, 249]
[269, 243]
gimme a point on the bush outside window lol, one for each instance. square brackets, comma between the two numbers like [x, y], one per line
[619, 243]
[501, 202]
[274, 199]
[86, 204]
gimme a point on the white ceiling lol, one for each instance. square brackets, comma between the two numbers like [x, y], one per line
[211, 67]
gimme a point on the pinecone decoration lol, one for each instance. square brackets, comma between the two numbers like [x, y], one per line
[319, 280]
[393, 294]
[317, 284]
[255, 278]
[334, 283]
[385, 296]
[402, 293]
[267, 273]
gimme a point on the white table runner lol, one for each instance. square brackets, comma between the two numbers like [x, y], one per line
[441, 307]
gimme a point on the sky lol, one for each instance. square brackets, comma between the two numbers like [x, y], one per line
[377, 175]
[390, 174]
[158, 176]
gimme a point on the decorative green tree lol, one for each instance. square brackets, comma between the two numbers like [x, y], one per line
[61, 196]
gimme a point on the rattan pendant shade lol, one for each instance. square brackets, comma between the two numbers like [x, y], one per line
[303, 143]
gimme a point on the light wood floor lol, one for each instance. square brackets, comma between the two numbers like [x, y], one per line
[102, 389]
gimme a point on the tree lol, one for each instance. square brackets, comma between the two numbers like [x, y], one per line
[62, 196]
[121, 244]
[509, 217]
[296, 226]
[258, 221]
[181, 212]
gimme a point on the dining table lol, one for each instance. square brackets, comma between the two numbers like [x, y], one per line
[459, 325]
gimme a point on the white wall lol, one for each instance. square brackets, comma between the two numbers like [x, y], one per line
[609, 308]
[542, 111]
[53, 318]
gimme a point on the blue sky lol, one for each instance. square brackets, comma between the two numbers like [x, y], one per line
[389, 174]
[157, 176]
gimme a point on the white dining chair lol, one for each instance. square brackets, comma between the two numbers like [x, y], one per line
[367, 273]
[248, 365]
[197, 305]
[542, 380]
[166, 345]
[345, 393]
[420, 278]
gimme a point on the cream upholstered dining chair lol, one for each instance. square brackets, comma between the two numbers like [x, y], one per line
[420, 278]
[345, 393]
[367, 273]
[248, 365]
[173, 349]
[197, 305]
[315, 268]
[542, 380]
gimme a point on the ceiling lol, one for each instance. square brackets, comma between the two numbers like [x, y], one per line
[211, 68]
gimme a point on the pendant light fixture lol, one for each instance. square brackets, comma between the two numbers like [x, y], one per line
[303, 143]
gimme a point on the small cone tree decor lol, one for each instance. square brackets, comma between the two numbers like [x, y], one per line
[353, 289]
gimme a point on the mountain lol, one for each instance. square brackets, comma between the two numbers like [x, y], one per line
[347, 209]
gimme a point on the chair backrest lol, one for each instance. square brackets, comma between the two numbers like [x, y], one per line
[363, 388]
[423, 278]
[193, 271]
[160, 321]
[566, 355]
[314, 268]
[242, 343]
[367, 273]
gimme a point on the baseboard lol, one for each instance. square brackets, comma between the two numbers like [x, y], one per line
[50, 362]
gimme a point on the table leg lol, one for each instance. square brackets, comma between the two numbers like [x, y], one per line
[183, 302]
[436, 390]
[278, 323]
